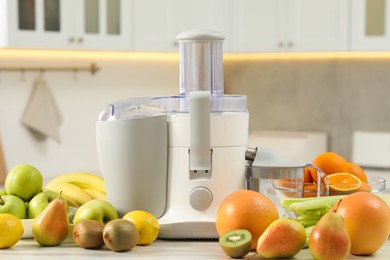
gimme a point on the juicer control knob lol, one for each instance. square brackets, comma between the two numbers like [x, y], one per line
[201, 198]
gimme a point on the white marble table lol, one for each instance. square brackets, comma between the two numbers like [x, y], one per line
[160, 249]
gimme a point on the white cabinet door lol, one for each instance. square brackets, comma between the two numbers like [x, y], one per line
[66, 24]
[157, 23]
[198, 14]
[370, 25]
[257, 25]
[102, 25]
[289, 25]
[35, 24]
[153, 30]
[318, 25]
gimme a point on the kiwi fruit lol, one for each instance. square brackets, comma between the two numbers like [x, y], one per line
[236, 243]
[120, 235]
[88, 234]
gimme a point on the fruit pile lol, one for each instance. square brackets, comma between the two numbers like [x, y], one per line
[341, 175]
[331, 227]
[73, 198]
[357, 224]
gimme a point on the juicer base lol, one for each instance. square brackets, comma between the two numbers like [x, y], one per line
[186, 228]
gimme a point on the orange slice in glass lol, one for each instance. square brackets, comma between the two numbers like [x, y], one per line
[343, 181]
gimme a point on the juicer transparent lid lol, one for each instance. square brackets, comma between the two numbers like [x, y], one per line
[151, 106]
[201, 69]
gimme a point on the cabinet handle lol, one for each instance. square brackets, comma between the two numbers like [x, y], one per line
[71, 40]
[80, 40]
[290, 44]
[281, 44]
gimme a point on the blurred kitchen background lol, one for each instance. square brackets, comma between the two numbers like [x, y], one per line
[316, 73]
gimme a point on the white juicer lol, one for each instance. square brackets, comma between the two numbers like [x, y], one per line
[178, 156]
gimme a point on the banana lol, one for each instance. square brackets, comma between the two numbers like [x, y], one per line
[83, 180]
[88, 187]
[95, 194]
[72, 193]
[71, 202]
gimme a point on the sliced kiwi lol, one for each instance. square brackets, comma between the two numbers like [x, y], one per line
[236, 243]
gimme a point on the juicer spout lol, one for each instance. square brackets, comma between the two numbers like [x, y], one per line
[200, 147]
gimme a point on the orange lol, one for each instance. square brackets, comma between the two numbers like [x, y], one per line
[310, 190]
[343, 181]
[357, 171]
[365, 187]
[246, 209]
[329, 162]
[307, 176]
[367, 218]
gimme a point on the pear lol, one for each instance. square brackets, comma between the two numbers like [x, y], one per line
[329, 238]
[51, 226]
[283, 238]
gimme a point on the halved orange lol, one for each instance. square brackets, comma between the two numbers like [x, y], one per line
[365, 187]
[343, 181]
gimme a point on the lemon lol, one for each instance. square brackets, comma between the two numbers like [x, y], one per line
[147, 225]
[11, 230]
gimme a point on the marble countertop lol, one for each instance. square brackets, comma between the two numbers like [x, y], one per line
[160, 249]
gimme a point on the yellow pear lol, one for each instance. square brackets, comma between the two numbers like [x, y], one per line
[51, 226]
[329, 238]
[283, 238]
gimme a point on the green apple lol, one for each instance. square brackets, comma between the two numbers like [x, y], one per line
[96, 209]
[40, 201]
[3, 192]
[14, 205]
[24, 181]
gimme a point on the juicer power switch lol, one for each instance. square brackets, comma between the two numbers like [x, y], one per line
[201, 198]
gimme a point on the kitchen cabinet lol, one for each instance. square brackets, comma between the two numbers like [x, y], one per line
[66, 24]
[370, 27]
[155, 29]
[288, 25]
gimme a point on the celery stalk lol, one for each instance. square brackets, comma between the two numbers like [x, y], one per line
[308, 211]
[320, 203]
[308, 233]
[308, 203]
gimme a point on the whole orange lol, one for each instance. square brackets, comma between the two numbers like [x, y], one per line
[329, 162]
[246, 209]
[367, 218]
[356, 170]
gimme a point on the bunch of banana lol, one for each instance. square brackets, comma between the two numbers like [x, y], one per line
[78, 187]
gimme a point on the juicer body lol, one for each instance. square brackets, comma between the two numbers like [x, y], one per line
[145, 163]
[177, 157]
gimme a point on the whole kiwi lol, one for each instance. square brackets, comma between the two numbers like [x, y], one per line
[236, 243]
[120, 235]
[88, 234]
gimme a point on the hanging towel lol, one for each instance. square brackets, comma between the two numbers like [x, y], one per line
[42, 115]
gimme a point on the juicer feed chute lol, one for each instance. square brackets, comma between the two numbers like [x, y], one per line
[178, 156]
